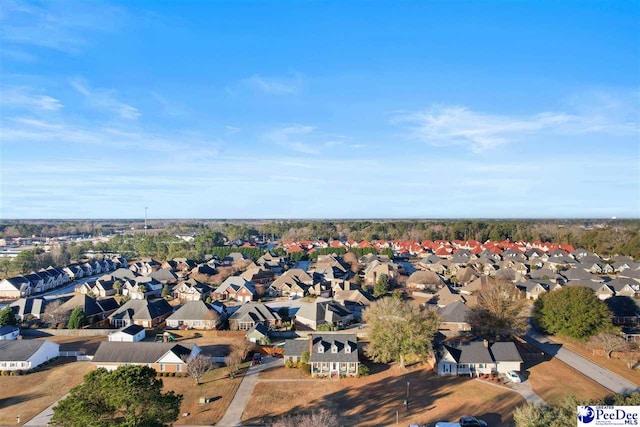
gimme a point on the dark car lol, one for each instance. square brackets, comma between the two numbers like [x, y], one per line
[257, 359]
[472, 422]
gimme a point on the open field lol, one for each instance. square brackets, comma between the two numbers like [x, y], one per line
[30, 394]
[553, 380]
[374, 400]
[614, 364]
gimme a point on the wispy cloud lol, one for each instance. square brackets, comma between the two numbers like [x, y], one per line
[24, 97]
[232, 130]
[63, 26]
[443, 125]
[293, 137]
[105, 99]
[274, 86]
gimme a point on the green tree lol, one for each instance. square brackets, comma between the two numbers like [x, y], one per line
[7, 317]
[381, 288]
[399, 329]
[165, 291]
[117, 285]
[129, 396]
[77, 319]
[573, 311]
[499, 311]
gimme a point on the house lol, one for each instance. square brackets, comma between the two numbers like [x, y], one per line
[454, 319]
[196, 315]
[293, 349]
[15, 287]
[424, 280]
[236, 288]
[24, 308]
[133, 333]
[191, 290]
[477, 357]
[258, 275]
[356, 301]
[146, 313]
[379, 267]
[22, 355]
[532, 290]
[9, 332]
[333, 355]
[446, 296]
[251, 314]
[94, 309]
[163, 357]
[294, 282]
[258, 334]
[318, 313]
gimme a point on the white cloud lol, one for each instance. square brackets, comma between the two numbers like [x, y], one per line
[274, 86]
[106, 100]
[443, 125]
[19, 96]
[294, 137]
[231, 130]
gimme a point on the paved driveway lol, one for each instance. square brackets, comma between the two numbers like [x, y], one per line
[234, 413]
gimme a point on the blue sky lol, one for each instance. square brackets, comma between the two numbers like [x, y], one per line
[320, 109]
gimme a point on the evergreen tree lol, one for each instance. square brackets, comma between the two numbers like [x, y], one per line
[77, 319]
[7, 317]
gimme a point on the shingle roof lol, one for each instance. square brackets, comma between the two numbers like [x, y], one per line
[340, 341]
[194, 310]
[296, 347]
[139, 352]
[19, 350]
[505, 351]
[470, 352]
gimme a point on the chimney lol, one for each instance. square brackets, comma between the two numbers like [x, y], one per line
[486, 343]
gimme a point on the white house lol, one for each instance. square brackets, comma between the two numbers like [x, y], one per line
[477, 358]
[26, 354]
[9, 332]
[163, 357]
[133, 333]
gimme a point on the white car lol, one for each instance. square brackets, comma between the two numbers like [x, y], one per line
[514, 377]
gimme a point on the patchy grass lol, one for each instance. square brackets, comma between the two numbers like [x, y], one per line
[216, 385]
[553, 380]
[376, 399]
[30, 394]
[614, 364]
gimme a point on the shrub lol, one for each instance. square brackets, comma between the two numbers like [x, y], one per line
[306, 368]
[363, 370]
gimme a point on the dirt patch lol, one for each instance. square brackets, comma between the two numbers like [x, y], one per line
[553, 380]
[30, 394]
[379, 398]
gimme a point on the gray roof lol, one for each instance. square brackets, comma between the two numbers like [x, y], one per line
[328, 311]
[455, 312]
[143, 309]
[470, 352]
[328, 341]
[505, 351]
[138, 352]
[256, 312]
[296, 347]
[19, 350]
[194, 310]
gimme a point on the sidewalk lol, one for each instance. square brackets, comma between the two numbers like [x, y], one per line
[234, 412]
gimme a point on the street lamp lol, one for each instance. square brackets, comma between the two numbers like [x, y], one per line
[407, 401]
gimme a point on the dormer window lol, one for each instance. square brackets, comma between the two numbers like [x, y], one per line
[320, 348]
[347, 348]
[334, 348]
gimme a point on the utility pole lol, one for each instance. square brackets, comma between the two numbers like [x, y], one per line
[407, 397]
[145, 220]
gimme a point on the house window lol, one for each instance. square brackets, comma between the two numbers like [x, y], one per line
[320, 348]
[178, 368]
[334, 348]
[162, 367]
[347, 348]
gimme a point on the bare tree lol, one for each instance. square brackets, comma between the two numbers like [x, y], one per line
[243, 347]
[233, 361]
[499, 311]
[198, 366]
[323, 417]
[609, 343]
[54, 314]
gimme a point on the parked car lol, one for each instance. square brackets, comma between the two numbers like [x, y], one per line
[257, 359]
[514, 377]
[472, 422]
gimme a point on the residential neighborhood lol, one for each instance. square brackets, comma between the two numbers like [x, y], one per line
[164, 314]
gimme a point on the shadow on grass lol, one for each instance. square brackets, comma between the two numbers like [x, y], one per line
[218, 350]
[375, 403]
[14, 400]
